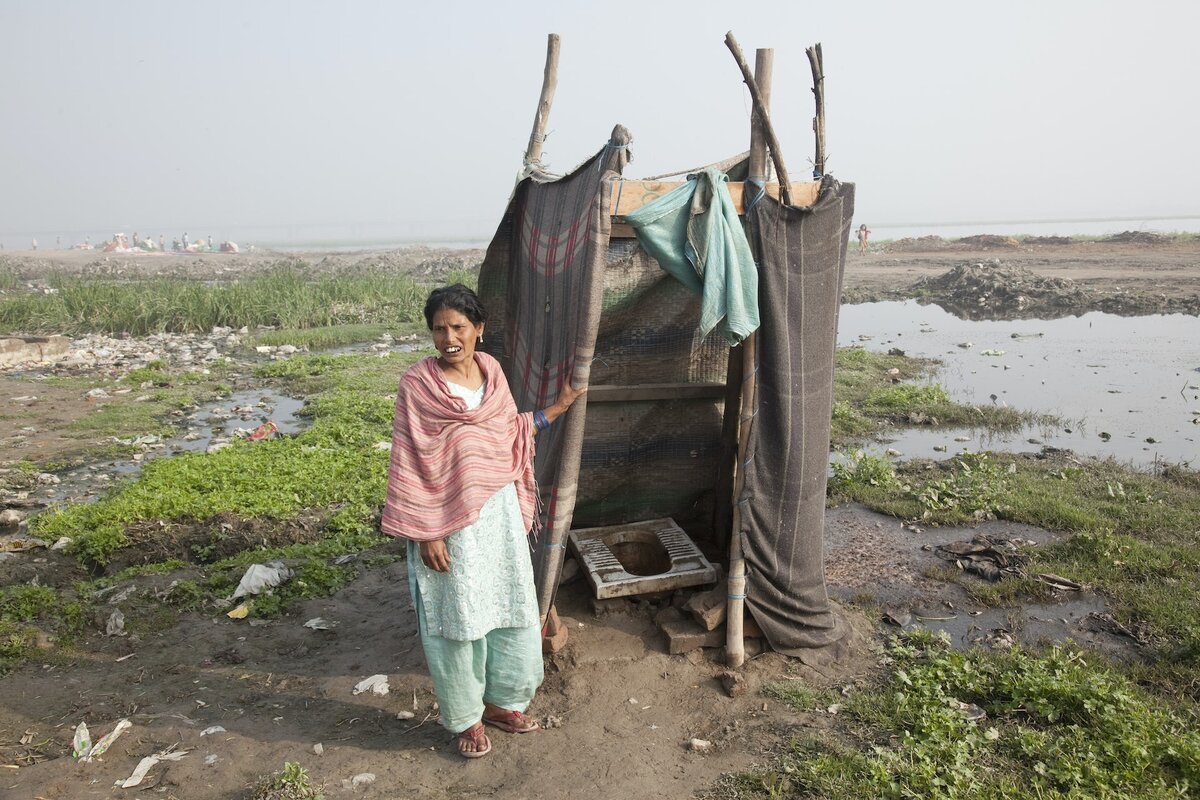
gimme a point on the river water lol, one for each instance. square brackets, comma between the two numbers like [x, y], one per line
[1117, 382]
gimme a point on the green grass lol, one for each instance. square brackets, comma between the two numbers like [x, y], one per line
[291, 783]
[285, 297]
[1055, 726]
[868, 399]
[332, 465]
[324, 338]
[27, 609]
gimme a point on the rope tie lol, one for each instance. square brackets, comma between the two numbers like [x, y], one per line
[761, 183]
[604, 153]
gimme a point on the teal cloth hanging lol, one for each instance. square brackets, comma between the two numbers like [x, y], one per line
[694, 233]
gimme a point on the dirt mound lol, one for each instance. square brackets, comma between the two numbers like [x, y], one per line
[995, 291]
[1041, 240]
[423, 262]
[987, 241]
[209, 540]
[1138, 237]
[919, 245]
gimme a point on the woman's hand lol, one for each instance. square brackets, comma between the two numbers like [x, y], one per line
[435, 555]
[565, 400]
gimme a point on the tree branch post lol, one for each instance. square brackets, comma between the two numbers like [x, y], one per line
[533, 153]
[817, 63]
[760, 106]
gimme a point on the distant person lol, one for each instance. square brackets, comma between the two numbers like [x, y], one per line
[863, 235]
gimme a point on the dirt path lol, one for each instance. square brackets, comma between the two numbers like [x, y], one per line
[620, 710]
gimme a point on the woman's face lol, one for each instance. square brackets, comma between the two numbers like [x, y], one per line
[454, 336]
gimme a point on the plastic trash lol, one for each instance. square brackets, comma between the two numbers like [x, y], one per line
[376, 684]
[361, 779]
[81, 745]
[100, 747]
[320, 624]
[146, 764]
[19, 542]
[264, 431]
[260, 577]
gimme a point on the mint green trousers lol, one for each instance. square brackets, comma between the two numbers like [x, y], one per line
[503, 668]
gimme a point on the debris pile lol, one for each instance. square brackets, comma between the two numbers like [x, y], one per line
[1138, 237]
[994, 291]
[987, 241]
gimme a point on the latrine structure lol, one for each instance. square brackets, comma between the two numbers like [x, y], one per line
[730, 442]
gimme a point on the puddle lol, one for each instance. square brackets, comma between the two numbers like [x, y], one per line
[1131, 378]
[211, 423]
[1028, 624]
[239, 411]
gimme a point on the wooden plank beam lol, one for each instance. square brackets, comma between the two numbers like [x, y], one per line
[655, 391]
[628, 196]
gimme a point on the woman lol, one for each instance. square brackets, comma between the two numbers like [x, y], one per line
[461, 490]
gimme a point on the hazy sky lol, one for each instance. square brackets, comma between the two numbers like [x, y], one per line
[410, 119]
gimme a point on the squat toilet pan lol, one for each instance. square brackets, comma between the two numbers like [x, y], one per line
[640, 558]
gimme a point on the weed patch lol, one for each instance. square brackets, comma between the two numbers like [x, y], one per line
[291, 783]
[25, 610]
[874, 391]
[1052, 725]
[285, 297]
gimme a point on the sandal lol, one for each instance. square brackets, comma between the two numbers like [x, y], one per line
[477, 738]
[513, 722]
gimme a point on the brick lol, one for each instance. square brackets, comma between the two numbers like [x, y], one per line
[685, 635]
[709, 608]
[554, 633]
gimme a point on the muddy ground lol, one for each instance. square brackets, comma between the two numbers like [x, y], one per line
[619, 709]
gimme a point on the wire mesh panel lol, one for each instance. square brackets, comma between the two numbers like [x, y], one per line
[645, 459]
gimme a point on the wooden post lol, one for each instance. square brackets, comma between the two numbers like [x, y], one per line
[818, 73]
[533, 153]
[760, 105]
[735, 651]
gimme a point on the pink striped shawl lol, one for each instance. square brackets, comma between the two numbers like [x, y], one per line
[448, 461]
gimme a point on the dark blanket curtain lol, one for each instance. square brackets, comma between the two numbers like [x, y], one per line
[801, 254]
[542, 283]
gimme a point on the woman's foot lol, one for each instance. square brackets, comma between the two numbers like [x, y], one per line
[473, 742]
[507, 720]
